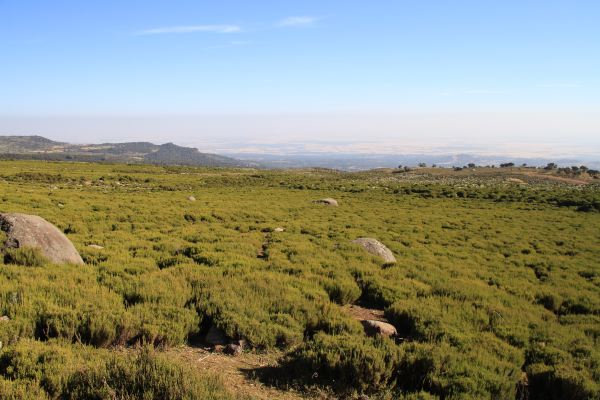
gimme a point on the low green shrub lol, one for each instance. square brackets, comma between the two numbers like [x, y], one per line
[266, 308]
[162, 325]
[58, 370]
[557, 382]
[342, 289]
[25, 256]
[347, 361]
[21, 390]
[146, 375]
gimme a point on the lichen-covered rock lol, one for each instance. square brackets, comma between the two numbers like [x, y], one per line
[328, 201]
[24, 230]
[376, 248]
[378, 328]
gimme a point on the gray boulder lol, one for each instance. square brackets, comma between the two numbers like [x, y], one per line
[24, 230]
[378, 328]
[327, 201]
[233, 349]
[376, 248]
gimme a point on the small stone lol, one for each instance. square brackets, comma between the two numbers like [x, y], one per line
[240, 342]
[191, 198]
[279, 229]
[4, 318]
[95, 246]
[233, 349]
[218, 348]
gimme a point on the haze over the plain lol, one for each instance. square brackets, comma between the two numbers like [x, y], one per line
[511, 77]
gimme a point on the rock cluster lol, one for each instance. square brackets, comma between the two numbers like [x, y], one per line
[220, 343]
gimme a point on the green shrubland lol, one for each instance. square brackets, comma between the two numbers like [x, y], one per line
[57, 370]
[496, 292]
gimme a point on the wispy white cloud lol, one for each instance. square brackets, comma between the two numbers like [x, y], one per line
[297, 21]
[191, 29]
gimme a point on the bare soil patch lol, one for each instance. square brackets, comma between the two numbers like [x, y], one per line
[234, 372]
[364, 314]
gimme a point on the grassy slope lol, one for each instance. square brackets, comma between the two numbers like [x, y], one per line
[495, 284]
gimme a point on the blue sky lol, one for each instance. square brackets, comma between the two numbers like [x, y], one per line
[63, 59]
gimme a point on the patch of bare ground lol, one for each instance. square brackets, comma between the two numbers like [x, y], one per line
[236, 373]
[364, 314]
[555, 178]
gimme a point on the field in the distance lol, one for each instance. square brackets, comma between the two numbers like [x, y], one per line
[496, 292]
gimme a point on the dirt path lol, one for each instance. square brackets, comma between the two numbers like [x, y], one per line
[363, 314]
[232, 371]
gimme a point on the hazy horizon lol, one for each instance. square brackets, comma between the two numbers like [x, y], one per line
[356, 134]
[511, 77]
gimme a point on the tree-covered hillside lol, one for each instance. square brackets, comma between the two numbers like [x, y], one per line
[40, 148]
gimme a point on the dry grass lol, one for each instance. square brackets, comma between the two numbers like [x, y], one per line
[237, 372]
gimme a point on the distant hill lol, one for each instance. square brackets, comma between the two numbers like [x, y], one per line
[24, 144]
[40, 148]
